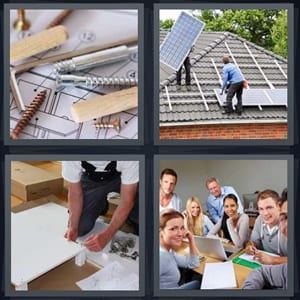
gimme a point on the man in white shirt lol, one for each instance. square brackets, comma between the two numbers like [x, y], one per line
[89, 184]
[167, 196]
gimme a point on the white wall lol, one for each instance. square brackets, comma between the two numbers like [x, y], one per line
[246, 176]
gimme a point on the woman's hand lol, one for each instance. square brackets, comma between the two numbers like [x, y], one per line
[189, 235]
[192, 245]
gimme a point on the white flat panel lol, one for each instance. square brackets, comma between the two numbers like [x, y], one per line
[37, 242]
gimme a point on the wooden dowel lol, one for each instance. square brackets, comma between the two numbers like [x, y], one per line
[37, 43]
[101, 106]
[66, 55]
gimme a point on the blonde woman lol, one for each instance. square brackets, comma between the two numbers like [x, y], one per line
[194, 219]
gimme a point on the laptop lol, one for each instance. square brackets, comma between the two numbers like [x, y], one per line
[213, 247]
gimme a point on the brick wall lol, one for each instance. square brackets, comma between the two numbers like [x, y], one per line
[236, 131]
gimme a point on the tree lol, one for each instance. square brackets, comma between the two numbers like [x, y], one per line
[255, 25]
[280, 34]
[167, 24]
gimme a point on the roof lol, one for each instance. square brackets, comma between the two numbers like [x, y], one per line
[188, 108]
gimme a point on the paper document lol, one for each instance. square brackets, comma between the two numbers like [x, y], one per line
[251, 258]
[218, 276]
[112, 277]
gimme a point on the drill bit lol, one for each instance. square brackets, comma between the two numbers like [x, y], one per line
[28, 114]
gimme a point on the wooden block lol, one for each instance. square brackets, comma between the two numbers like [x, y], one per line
[38, 43]
[101, 106]
[30, 183]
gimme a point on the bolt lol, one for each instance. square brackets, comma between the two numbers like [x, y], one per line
[93, 81]
[21, 23]
[94, 59]
[116, 124]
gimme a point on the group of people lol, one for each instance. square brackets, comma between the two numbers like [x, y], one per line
[225, 219]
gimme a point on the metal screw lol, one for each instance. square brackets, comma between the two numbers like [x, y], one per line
[116, 124]
[21, 23]
[28, 114]
[59, 18]
[92, 81]
[94, 59]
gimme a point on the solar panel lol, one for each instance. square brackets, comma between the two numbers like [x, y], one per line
[178, 43]
[258, 97]
[278, 96]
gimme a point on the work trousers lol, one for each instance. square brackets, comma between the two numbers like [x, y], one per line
[187, 67]
[234, 89]
[95, 202]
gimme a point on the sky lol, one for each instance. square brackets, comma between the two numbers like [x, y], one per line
[165, 14]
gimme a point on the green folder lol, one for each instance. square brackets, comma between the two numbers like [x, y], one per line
[246, 263]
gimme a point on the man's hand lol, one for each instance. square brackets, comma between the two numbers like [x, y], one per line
[263, 258]
[97, 241]
[250, 248]
[71, 234]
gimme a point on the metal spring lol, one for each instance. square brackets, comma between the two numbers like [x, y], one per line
[28, 114]
[110, 81]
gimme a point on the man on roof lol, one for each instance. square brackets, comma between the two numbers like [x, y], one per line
[233, 77]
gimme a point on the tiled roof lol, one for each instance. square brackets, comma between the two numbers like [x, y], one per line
[188, 107]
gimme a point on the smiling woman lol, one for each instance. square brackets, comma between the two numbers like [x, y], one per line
[234, 226]
[172, 232]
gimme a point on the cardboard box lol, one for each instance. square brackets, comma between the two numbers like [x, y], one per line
[30, 182]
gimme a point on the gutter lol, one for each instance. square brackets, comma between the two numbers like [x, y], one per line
[230, 122]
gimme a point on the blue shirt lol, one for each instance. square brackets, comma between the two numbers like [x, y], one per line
[215, 205]
[231, 74]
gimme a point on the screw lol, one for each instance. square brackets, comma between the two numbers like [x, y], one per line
[28, 114]
[94, 59]
[116, 124]
[21, 23]
[92, 81]
[59, 19]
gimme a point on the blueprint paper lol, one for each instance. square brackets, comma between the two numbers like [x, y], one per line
[112, 277]
[53, 119]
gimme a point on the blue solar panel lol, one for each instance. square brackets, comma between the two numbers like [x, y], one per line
[258, 97]
[178, 43]
[278, 96]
